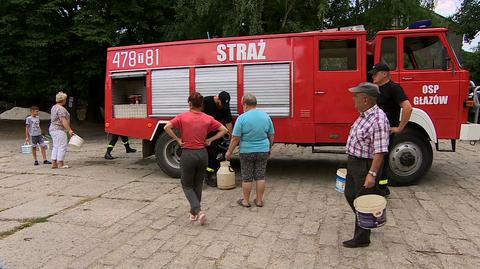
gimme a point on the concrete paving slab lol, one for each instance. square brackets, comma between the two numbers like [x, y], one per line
[17, 180]
[433, 224]
[143, 191]
[35, 246]
[99, 212]
[7, 226]
[91, 188]
[12, 197]
[39, 208]
[48, 184]
[5, 175]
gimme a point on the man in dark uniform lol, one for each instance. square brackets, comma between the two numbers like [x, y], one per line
[392, 98]
[112, 143]
[219, 108]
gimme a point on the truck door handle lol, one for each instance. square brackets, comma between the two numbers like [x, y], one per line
[407, 78]
[319, 92]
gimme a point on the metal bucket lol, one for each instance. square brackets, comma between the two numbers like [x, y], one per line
[371, 211]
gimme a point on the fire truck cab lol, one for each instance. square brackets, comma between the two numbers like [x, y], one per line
[301, 81]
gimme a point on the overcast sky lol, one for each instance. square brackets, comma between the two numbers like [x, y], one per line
[449, 7]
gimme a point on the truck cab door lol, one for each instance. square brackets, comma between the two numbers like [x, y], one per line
[386, 51]
[430, 80]
[338, 66]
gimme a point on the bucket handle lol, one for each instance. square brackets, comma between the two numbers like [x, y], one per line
[363, 189]
[230, 169]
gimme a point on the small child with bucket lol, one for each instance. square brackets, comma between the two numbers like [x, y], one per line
[33, 135]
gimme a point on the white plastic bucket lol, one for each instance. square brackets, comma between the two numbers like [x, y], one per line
[26, 149]
[47, 144]
[76, 141]
[371, 211]
[341, 179]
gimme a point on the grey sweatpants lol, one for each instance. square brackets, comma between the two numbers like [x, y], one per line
[193, 163]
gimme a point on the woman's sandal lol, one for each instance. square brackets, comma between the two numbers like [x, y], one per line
[202, 217]
[193, 217]
[240, 202]
[258, 204]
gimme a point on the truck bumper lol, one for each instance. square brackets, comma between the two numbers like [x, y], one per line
[470, 131]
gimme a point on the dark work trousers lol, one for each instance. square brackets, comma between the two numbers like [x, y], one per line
[383, 179]
[357, 170]
[213, 151]
[114, 140]
[193, 163]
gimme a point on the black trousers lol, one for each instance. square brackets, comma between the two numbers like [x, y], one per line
[213, 151]
[383, 175]
[357, 170]
[114, 140]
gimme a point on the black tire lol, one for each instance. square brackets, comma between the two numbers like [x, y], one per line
[409, 159]
[167, 153]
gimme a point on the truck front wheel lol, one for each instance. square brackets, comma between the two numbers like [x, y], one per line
[409, 159]
[167, 153]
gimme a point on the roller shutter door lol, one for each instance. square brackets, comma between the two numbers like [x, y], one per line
[210, 81]
[270, 83]
[170, 91]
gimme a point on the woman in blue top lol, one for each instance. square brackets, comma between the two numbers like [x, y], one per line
[254, 131]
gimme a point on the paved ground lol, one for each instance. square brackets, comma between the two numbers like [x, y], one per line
[126, 213]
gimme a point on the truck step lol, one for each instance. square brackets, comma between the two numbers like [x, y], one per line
[329, 149]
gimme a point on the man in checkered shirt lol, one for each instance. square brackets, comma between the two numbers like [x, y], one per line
[366, 145]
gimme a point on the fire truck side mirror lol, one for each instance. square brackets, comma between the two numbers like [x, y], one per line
[445, 59]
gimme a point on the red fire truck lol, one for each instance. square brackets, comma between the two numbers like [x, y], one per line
[301, 81]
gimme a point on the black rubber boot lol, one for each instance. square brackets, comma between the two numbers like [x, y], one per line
[108, 155]
[128, 149]
[384, 191]
[211, 179]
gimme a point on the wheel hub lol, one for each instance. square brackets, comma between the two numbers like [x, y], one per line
[405, 158]
[172, 153]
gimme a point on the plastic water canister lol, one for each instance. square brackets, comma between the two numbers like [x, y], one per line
[225, 176]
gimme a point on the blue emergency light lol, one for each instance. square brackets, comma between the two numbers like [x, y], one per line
[420, 24]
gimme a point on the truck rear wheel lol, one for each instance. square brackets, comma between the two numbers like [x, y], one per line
[409, 159]
[167, 153]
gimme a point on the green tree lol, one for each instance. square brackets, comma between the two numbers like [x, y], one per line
[468, 18]
[61, 44]
[391, 14]
[471, 61]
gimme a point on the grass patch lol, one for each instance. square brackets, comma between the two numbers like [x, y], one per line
[26, 223]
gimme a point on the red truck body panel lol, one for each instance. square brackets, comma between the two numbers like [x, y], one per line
[320, 109]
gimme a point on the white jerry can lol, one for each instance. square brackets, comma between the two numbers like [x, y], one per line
[225, 176]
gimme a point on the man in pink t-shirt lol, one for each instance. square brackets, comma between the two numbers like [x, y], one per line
[194, 127]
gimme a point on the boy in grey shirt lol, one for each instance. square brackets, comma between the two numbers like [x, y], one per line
[33, 134]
